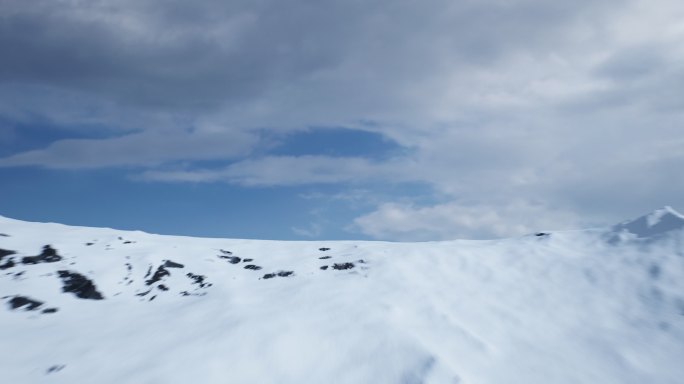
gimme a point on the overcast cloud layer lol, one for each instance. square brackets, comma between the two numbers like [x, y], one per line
[520, 115]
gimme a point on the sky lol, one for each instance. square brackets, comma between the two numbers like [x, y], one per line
[392, 120]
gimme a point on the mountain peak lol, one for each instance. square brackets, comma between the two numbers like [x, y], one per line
[660, 221]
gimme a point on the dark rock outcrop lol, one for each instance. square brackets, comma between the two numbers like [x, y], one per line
[343, 266]
[79, 285]
[17, 302]
[48, 255]
[172, 264]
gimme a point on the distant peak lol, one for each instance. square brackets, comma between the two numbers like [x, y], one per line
[660, 221]
[665, 213]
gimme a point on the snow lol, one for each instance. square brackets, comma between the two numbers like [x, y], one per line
[561, 307]
[656, 223]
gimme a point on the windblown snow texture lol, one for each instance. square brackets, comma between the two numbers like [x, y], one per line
[595, 306]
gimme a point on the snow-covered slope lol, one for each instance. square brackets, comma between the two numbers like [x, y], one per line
[109, 306]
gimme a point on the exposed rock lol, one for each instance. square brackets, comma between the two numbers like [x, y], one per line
[343, 266]
[80, 285]
[279, 274]
[231, 259]
[149, 271]
[6, 252]
[198, 279]
[8, 264]
[172, 264]
[55, 369]
[160, 273]
[17, 302]
[48, 255]
[29, 304]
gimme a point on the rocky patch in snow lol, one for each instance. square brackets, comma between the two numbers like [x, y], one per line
[55, 368]
[200, 280]
[231, 259]
[6, 252]
[10, 261]
[278, 274]
[201, 283]
[162, 271]
[343, 266]
[79, 285]
[48, 255]
[172, 264]
[27, 303]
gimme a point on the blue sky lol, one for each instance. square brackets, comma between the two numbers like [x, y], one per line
[117, 198]
[392, 120]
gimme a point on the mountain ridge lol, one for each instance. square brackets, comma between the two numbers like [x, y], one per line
[658, 221]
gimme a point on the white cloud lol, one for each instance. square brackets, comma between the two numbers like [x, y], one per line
[290, 170]
[454, 221]
[148, 148]
[578, 105]
[313, 230]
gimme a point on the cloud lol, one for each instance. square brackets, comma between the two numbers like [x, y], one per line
[453, 221]
[264, 56]
[146, 148]
[314, 230]
[290, 170]
[501, 107]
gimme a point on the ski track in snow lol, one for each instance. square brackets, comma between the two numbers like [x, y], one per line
[110, 306]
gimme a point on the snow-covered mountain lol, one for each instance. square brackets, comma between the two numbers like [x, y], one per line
[108, 306]
[661, 221]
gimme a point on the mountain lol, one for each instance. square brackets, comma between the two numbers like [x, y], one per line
[658, 222]
[109, 306]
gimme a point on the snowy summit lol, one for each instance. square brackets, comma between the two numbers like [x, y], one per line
[656, 223]
[109, 306]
